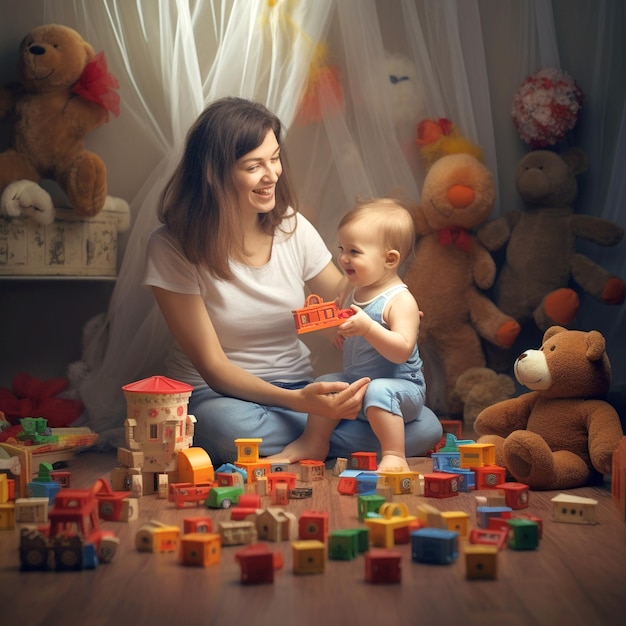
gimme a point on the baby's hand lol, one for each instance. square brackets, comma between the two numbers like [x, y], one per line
[356, 325]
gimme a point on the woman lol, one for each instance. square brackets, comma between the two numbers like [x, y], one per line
[230, 263]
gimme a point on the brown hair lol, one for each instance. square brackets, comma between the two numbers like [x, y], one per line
[390, 219]
[198, 202]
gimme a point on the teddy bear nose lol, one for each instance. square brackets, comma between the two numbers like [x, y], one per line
[460, 196]
[37, 50]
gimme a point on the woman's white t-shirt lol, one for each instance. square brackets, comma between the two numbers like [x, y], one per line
[252, 314]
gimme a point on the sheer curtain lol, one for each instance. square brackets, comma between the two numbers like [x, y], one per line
[463, 59]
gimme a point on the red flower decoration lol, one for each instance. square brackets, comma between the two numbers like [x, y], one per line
[97, 85]
[429, 131]
[32, 397]
[546, 107]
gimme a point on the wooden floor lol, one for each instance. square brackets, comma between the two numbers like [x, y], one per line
[577, 576]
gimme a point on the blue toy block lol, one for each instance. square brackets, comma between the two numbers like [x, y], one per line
[38, 489]
[434, 545]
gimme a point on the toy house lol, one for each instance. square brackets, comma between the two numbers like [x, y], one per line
[157, 428]
[275, 524]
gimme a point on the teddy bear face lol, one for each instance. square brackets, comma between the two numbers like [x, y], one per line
[458, 191]
[569, 364]
[544, 179]
[52, 57]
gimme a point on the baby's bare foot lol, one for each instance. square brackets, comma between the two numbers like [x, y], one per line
[302, 449]
[393, 463]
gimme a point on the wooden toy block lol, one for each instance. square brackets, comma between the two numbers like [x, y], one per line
[475, 455]
[257, 565]
[385, 491]
[197, 525]
[280, 494]
[488, 476]
[430, 516]
[383, 566]
[228, 479]
[523, 534]
[313, 525]
[434, 545]
[237, 532]
[363, 461]
[369, 504]
[343, 545]
[130, 458]
[248, 449]
[392, 516]
[571, 509]
[516, 495]
[200, 549]
[311, 470]
[154, 536]
[441, 485]
[261, 486]
[481, 562]
[341, 465]
[279, 466]
[275, 524]
[309, 556]
[618, 479]
[491, 498]
[31, 510]
[458, 521]
[7, 516]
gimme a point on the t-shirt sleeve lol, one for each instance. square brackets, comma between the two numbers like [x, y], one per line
[316, 255]
[167, 267]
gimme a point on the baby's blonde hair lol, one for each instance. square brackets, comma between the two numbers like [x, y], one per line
[389, 218]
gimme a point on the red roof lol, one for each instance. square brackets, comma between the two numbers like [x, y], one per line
[158, 385]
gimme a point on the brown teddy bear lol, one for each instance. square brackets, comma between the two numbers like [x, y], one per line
[65, 93]
[449, 269]
[480, 387]
[540, 244]
[562, 434]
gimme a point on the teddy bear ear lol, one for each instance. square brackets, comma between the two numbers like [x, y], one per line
[596, 345]
[553, 330]
[576, 159]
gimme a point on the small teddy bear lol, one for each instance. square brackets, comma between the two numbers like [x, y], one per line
[65, 92]
[563, 433]
[451, 268]
[533, 283]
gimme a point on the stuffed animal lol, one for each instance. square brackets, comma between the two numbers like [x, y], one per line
[562, 434]
[449, 270]
[533, 283]
[480, 387]
[65, 93]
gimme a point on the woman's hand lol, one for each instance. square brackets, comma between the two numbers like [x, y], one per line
[335, 400]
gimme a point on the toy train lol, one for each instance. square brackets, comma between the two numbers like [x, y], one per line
[317, 314]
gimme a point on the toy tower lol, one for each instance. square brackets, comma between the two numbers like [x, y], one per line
[157, 427]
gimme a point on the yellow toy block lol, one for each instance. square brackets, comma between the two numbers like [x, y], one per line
[200, 549]
[309, 556]
[393, 515]
[459, 521]
[481, 562]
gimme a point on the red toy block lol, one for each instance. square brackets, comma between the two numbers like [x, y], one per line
[383, 565]
[257, 564]
[313, 525]
[441, 485]
[516, 495]
[197, 525]
[489, 537]
[488, 476]
[363, 461]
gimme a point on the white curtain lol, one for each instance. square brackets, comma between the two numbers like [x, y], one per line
[463, 59]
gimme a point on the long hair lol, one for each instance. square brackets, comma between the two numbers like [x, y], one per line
[198, 203]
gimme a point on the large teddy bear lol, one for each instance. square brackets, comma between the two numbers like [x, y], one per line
[65, 93]
[450, 268]
[533, 283]
[562, 434]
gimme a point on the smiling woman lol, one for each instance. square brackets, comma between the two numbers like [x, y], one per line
[232, 324]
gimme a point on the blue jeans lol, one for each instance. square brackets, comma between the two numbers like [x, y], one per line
[221, 420]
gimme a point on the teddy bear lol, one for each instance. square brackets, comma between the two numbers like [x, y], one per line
[450, 269]
[540, 255]
[480, 387]
[562, 433]
[64, 93]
